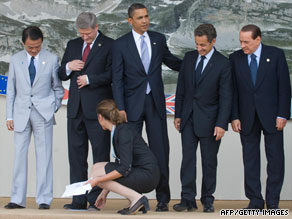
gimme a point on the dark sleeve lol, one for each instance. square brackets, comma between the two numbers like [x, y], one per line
[103, 78]
[117, 74]
[125, 140]
[225, 96]
[62, 69]
[234, 108]
[169, 59]
[284, 87]
[180, 90]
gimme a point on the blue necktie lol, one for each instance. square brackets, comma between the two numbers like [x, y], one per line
[199, 69]
[253, 68]
[145, 59]
[31, 69]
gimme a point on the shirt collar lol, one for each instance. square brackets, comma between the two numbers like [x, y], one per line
[137, 35]
[209, 55]
[258, 51]
[29, 56]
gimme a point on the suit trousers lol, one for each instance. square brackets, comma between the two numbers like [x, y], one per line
[43, 134]
[80, 130]
[156, 129]
[252, 164]
[188, 173]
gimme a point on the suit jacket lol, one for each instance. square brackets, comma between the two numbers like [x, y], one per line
[130, 79]
[209, 99]
[131, 149]
[45, 94]
[98, 70]
[271, 95]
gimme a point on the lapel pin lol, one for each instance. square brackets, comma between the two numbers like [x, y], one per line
[268, 60]
[154, 43]
[22, 63]
[99, 44]
[43, 62]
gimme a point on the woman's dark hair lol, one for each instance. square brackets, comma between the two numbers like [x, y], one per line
[32, 32]
[109, 110]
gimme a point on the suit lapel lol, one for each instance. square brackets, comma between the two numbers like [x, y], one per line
[40, 65]
[134, 52]
[243, 62]
[24, 64]
[192, 69]
[95, 48]
[208, 67]
[153, 49]
[263, 64]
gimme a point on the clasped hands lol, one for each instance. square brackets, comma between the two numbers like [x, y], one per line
[78, 65]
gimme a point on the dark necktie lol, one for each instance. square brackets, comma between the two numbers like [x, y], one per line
[199, 69]
[86, 52]
[253, 68]
[31, 69]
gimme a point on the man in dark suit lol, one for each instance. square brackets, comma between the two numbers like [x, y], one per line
[87, 63]
[138, 88]
[202, 111]
[262, 96]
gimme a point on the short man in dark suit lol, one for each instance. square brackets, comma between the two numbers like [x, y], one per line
[202, 111]
[261, 103]
[138, 88]
[87, 63]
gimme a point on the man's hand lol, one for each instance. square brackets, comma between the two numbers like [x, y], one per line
[76, 65]
[219, 133]
[10, 125]
[236, 125]
[176, 123]
[280, 123]
[82, 81]
[124, 114]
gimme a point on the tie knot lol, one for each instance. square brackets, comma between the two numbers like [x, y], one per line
[32, 58]
[253, 56]
[142, 37]
[203, 57]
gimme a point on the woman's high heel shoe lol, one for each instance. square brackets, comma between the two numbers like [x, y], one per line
[126, 209]
[142, 202]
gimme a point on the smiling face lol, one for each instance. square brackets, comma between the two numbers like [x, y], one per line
[203, 45]
[139, 20]
[247, 43]
[33, 47]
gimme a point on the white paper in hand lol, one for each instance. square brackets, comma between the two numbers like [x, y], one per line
[76, 189]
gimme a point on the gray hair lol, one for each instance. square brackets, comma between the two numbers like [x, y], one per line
[86, 20]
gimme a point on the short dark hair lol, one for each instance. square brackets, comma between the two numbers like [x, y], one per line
[32, 32]
[254, 29]
[134, 7]
[206, 30]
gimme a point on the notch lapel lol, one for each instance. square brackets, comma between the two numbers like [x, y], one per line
[40, 65]
[153, 43]
[134, 52]
[263, 64]
[97, 46]
[23, 62]
[243, 62]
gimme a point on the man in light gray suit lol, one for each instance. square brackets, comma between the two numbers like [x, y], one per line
[34, 94]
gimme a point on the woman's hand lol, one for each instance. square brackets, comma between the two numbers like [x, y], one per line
[101, 199]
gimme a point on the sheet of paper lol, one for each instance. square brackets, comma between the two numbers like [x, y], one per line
[76, 189]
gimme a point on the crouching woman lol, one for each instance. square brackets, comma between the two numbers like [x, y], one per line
[135, 170]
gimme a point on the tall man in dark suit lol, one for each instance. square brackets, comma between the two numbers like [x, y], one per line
[138, 88]
[87, 63]
[202, 111]
[262, 96]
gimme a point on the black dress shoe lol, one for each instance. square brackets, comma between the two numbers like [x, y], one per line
[185, 205]
[251, 206]
[273, 207]
[92, 208]
[208, 208]
[161, 206]
[122, 211]
[73, 206]
[44, 206]
[143, 201]
[12, 205]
